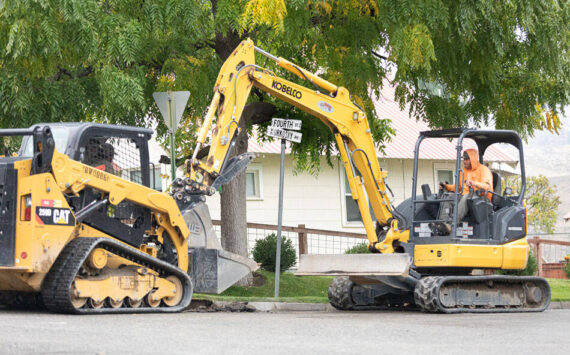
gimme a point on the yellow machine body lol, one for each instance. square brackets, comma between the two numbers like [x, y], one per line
[512, 255]
[40, 240]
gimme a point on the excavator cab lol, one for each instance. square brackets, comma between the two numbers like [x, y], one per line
[493, 217]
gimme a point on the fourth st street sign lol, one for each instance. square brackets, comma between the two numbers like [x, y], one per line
[286, 123]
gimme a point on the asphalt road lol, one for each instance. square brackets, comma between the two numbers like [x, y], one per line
[286, 333]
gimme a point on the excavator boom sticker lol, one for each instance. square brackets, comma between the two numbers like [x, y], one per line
[325, 106]
[55, 216]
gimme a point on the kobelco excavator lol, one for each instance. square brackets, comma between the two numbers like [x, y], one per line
[414, 260]
[82, 226]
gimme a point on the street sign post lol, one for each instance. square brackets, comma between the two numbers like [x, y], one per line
[278, 129]
[171, 105]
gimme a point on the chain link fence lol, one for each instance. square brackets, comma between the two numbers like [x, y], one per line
[315, 241]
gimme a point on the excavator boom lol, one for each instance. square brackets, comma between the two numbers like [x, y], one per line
[332, 105]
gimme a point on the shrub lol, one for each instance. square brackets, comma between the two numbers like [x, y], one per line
[567, 269]
[264, 253]
[530, 269]
[361, 248]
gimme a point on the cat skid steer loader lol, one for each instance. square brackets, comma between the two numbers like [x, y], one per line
[81, 226]
[414, 261]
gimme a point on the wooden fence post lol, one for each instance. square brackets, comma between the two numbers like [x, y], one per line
[303, 247]
[534, 244]
[539, 257]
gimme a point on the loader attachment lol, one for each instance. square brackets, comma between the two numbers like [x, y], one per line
[355, 265]
[212, 269]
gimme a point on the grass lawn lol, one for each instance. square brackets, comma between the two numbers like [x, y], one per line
[560, 290]
[308, 289]
[313, 289]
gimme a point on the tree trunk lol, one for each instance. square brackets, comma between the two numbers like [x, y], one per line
[233, 200]
[233, 208]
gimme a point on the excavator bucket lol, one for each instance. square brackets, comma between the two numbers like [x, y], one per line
[212, 269]
[354, 265]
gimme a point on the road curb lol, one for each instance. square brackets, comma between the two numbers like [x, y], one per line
[559, 305]
[291, 307]
[321, 307]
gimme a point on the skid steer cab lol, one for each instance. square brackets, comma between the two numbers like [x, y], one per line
[84, 227]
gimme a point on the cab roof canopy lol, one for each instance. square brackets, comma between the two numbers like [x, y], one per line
[483, 138]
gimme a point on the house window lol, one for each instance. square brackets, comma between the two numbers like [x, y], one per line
[445, 175]
[253, 190]
[155, 178]
[135, 175]
[351, 212]
[443, 172]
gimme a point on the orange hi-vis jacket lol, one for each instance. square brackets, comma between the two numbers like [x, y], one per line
[479, 174]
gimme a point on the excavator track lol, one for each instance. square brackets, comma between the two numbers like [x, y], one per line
[482, 294]
[340, 294]
[59, 281]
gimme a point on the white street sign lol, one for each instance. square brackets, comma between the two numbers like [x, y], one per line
[179, 100]
[281, 133]
[286, 123]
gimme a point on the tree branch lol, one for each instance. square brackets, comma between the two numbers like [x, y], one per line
[61, 72]
[258, 112]
[376, 54]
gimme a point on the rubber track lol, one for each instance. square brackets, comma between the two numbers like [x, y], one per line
[57, 284]
[426, 293]
[340, 297]
[339, 292]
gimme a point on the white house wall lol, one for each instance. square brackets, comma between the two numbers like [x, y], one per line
[317, 201]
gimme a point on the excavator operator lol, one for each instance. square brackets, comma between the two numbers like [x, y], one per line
[475, 176]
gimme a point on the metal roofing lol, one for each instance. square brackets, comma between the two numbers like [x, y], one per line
[402, 144]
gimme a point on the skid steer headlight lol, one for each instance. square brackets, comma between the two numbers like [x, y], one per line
[27, 208]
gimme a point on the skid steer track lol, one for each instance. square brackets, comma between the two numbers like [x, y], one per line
[58, 282]
[482, 294]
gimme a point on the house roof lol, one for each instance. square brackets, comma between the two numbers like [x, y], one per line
[407, 130]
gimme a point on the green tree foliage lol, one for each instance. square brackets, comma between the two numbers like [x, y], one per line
[452, 61]
[265, 250]
[541, 199]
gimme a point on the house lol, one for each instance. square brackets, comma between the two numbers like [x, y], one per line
[325, 201]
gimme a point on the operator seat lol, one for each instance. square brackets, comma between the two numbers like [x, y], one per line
[496, 188]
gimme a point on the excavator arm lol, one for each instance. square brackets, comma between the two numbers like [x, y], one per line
[329, 103]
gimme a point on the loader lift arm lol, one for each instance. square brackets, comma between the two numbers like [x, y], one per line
[329, 103]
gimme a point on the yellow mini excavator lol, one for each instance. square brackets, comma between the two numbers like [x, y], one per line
[83, 230]
[414, 260]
